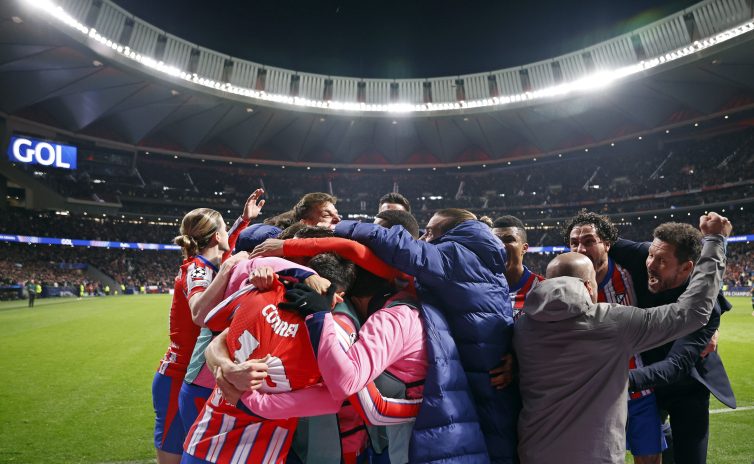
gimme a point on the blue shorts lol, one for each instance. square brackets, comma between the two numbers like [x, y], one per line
[188, 459]
[644, 429]
[190, 401]
[169, 433]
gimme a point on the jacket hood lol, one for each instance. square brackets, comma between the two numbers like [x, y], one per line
[557, 299]
[477, 237]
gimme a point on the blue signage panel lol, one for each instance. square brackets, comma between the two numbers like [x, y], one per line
[33, 151]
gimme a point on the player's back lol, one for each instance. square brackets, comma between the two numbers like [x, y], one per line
[224, 433]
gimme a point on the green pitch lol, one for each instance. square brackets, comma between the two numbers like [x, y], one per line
[77, 374]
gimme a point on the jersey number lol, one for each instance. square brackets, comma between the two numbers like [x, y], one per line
[276, 380]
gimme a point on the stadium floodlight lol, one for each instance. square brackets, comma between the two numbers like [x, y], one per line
[589, 83]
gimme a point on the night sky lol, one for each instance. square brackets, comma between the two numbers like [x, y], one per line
[398, 39]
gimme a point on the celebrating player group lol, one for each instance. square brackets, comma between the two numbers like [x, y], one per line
[310, 339]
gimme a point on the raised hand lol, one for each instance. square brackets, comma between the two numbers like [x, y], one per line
[253, 205]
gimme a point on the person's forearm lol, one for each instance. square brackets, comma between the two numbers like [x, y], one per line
[216, 354]
[311, 401]
[202, 303]
[683, 355]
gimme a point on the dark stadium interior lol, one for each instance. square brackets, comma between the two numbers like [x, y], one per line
[652, 149]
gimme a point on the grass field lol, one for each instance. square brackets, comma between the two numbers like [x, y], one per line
[77, 380]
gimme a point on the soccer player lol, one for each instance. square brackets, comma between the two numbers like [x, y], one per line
[592, 235]
[511, 231]
[198, 381]
[317, 209]
[206, 246]
[261, 325]
[390, 339]
[394, 201]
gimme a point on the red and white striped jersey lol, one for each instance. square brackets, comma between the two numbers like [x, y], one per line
[194, 276]
[618, 287]
[521, 289]
[225, 433]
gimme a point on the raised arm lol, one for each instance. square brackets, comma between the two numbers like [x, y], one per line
[683, 355]
[653, 327]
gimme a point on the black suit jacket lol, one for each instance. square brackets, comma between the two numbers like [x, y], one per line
[679, 363]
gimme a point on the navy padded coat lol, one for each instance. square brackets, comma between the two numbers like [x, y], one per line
[469, 325]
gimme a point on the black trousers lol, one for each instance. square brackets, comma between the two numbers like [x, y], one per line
[688, 407]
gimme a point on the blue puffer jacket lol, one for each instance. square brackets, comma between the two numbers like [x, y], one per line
[459, 278]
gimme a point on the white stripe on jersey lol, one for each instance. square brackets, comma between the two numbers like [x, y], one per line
[370, 409]
[344, 338]
[217, 442]
[225, 302]
[245, 443]
[276, 443]
[201, 428]
[626, 299]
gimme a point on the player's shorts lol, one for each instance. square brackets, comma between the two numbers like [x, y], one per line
[644, 429]
[188, 459]
[190, 401]
[169, 433]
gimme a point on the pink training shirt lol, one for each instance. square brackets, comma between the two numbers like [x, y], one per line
[391, 339]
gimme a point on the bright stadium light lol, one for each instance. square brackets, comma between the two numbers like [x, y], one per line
[589, 83]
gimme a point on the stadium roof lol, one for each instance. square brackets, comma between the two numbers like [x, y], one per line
[396, 38]
[75, 87]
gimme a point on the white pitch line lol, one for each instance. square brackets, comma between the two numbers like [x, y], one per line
[723, 411]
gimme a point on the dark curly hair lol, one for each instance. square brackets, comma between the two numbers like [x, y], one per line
[686, 239]
[606, 230]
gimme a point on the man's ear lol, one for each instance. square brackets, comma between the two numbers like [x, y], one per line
[687, 267]
[526, 248]
[339, 296]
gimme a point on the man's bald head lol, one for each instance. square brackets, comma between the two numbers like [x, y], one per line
[576, 265]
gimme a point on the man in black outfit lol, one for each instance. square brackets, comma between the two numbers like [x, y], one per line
[31, 290]
[680, 372]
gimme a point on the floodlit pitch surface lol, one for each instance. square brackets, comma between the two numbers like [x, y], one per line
[76, 380]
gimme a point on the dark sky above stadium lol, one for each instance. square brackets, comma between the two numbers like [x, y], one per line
[398, 38]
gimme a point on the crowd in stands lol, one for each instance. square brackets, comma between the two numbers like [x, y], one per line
[66, 267]
[673, 181]
[662, 175]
